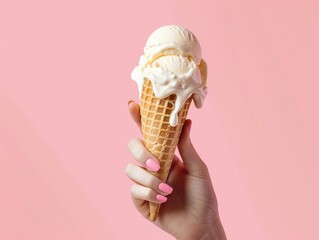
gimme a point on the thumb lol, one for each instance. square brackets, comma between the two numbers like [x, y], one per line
[191, 159]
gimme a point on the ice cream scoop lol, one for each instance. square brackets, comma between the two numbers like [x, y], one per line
[172, 61]
[175, 40]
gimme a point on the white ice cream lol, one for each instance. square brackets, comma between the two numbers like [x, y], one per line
[172, 61]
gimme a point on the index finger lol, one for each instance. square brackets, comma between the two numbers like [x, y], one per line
[134, 109]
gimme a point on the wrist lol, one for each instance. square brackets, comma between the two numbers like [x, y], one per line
[215, 232]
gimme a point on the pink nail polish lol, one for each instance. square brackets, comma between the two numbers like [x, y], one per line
[165, 188]
[152, 165]
[161, 198]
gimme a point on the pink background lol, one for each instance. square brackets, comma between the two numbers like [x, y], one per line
[64, 86]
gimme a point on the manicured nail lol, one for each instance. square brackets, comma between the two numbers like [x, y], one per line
[161, 198]
[152, 165]
[165, 188]
[129, 102]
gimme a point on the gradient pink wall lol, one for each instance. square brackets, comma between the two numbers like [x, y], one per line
[64, 85]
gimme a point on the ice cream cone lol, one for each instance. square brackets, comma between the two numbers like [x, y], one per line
[170, 75]
[160, 138]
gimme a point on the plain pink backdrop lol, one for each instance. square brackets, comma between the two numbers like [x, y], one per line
[64, 86]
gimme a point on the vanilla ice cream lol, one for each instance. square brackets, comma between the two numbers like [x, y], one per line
[172, 61]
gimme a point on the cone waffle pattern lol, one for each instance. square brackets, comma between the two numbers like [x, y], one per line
[160, 138]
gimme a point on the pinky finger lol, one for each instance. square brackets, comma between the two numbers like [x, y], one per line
[147, 194]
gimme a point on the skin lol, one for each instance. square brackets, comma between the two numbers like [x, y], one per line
[191, 210]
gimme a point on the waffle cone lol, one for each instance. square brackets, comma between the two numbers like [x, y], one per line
[160, 138]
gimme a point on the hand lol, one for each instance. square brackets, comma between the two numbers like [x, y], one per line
[189, 205]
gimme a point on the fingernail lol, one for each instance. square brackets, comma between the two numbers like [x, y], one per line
[129, 102]
[152, 165]
[161, 198]
[165, 188]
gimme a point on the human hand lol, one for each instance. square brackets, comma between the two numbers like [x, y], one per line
[189, 206]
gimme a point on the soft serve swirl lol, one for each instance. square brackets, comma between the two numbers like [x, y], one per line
[172, 62]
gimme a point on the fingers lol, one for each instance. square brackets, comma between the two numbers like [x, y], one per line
[191, 159]
[147, 194]
[148, 187]
[134, 109]
[146, 179]
[142, 155]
